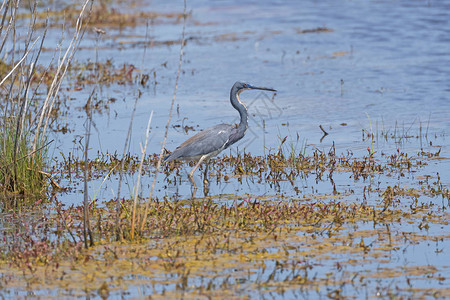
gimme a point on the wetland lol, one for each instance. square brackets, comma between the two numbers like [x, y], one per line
[339, 189]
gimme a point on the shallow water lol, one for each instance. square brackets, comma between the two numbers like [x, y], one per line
[391, 59]
[380, 67]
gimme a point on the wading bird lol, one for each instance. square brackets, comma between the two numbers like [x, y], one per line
[213, 140]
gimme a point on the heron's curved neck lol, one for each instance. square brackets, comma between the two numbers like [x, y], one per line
[240, 107]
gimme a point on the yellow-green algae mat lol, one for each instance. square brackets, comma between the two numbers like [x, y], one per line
[253, 249]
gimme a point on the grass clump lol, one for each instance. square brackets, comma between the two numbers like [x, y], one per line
[21, 169]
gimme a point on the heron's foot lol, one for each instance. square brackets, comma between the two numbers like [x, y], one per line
[191, 178]
[206, 192]
[205, 186]
[194, 186]
[193, 191]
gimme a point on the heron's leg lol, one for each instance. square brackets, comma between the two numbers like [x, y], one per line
[194, 189]
[191, 175]
[205, 179]
[205, 174]
[197, 165]
[205, 189]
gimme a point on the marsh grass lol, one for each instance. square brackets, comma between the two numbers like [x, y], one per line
[21, 172]
[25, 114]
[400, 133]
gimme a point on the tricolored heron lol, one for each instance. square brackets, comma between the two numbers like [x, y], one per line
[213, 140]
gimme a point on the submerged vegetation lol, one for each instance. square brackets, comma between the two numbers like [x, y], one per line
[287, 244]
[226, 244]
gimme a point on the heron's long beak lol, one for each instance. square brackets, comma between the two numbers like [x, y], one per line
[262, 88]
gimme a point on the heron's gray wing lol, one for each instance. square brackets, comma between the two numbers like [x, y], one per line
[236, 134]
[207, 141]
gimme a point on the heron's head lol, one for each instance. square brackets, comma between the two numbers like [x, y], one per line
[240, 86]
